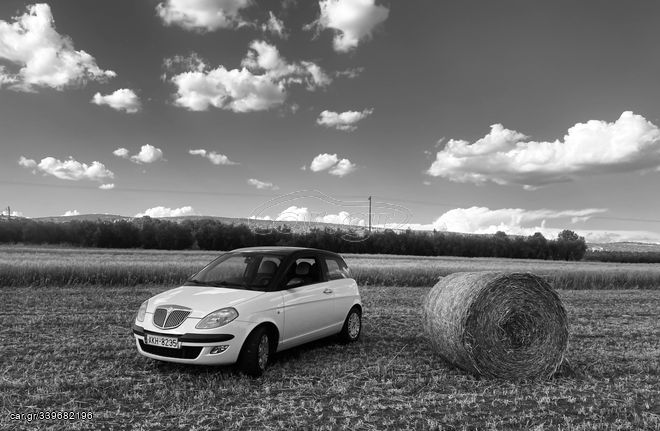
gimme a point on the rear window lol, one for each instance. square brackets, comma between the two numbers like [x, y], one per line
[337, 269]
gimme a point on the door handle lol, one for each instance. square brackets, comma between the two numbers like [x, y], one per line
[328, 291]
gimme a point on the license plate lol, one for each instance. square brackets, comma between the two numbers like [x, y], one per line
[155, 340]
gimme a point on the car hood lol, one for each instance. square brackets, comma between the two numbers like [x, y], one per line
[202, 299]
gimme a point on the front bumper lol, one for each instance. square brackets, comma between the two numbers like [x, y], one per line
[196, 347]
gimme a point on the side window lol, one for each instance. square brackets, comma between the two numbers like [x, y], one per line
[336, 269]
[303, 271]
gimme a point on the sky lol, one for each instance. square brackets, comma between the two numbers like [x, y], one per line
[469, 116]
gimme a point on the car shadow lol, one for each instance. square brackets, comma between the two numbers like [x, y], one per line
[232, 371]
[195, 370]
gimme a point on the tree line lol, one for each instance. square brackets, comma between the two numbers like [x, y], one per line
[209, 234]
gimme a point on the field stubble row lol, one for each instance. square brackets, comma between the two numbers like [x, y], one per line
[46, 266]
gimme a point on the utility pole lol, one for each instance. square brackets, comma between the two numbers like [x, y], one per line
[8, 213]
[369, 214]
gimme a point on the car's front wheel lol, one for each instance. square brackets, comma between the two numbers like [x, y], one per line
[352, 326]
[256, 351]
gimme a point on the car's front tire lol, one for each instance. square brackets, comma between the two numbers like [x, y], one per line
[256, 352]
[352, 328]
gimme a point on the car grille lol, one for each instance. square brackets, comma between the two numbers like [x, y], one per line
[185, 352]
[168, 321]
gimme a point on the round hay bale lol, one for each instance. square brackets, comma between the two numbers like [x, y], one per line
[502, 325]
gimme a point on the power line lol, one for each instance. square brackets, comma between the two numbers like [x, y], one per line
[378, 198]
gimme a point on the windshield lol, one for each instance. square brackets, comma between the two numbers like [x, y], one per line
[239, 271]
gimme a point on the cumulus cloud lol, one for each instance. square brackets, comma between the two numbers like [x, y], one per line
[70, 213]
[254, 217]
[294, 214]
[6, 78]
[303, 214]
[4, 213]
[123, 99]
[235, 90]
[332, 164]
[323, 161]
[40, 56]
[203, 15]
[215, 158]
[261, 185]
[121, 152]
[317, 77]
[261, 83]
[263, 55]
[351, 20]
[27, 163]
[274, 26]
[509, 220]
[345, 121]
[148, 154]
[70, 169]
[108, 186]
[161, 211]
[503, 156]
[343, 167]
[343, 217]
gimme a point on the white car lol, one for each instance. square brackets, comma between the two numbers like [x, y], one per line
[248, 304]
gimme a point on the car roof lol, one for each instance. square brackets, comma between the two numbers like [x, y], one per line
[281, 250]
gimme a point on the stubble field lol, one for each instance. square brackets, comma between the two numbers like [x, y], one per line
[67, 347]
[49, 266]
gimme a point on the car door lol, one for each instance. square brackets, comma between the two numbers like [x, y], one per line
[343, 288]
[308, 302]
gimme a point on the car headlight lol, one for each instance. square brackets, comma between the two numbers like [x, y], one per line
[142, 311]
[218, 318]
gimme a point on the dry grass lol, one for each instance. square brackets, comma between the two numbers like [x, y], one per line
[383, 270]
[48, 266]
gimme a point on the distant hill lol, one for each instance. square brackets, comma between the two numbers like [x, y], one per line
[630, 247]
[83, 217]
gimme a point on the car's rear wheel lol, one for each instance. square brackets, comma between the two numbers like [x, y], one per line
[352, 326]
[256, 351]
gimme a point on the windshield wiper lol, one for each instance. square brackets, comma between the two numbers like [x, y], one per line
[227, 284]
[196, 282]
[216, 284]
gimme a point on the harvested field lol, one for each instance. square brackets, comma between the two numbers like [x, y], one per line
[70, 349]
